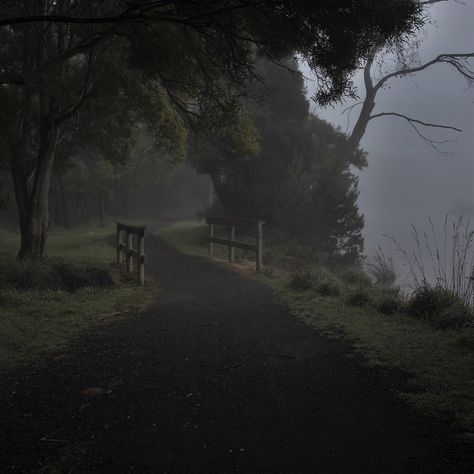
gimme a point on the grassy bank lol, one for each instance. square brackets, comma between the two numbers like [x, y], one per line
[439, 363]
[42, 304]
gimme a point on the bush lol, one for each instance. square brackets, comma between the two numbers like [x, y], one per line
[440, 306]
[53, 275]
[359, 298]
[328, 288]
[325, 282]
[389, 303]
[29, 275]
[381, 269]
[73, 277]
[273, 255]
[356, 278]
[301, 280]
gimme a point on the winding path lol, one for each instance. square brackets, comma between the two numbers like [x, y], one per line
[217, 378]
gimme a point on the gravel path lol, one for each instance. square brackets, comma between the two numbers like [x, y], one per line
[217, 378]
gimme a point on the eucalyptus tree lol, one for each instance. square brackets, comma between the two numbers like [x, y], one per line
[377, 76]
[196, 54]
[282, 164]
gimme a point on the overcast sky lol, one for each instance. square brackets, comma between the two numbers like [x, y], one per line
[407, 180]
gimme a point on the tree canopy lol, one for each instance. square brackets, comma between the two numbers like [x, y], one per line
[66, 66]
[290, 168]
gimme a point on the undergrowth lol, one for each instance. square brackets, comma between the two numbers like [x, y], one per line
[43, 303]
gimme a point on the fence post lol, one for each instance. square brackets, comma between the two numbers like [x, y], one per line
[128, 255]
[231, 248]
[119, 245]
[141, 257]
[211, 244]
[259, 245]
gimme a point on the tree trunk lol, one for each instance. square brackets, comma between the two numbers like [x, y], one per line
[368, 104]
[363, 120]
[32, 162]
[32, 191]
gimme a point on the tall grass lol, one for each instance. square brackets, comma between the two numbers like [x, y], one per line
[443, 259]
[382, 269]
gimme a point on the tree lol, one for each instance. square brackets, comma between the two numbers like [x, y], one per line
[198, 53]
[290, 168]
[406, 65]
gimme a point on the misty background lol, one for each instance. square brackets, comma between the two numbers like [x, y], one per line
[406, 180]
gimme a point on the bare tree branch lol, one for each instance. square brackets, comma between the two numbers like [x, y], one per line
[414, 122]
[457, 60]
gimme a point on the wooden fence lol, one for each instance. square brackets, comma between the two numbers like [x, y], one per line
[231, 243]
[125, 248]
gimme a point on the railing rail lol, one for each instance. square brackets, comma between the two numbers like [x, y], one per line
[231, 243]
[125, 249]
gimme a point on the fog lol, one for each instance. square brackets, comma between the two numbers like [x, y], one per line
[407, 180]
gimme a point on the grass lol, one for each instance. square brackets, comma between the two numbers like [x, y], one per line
[439, 363]
[189, 237]
[38, 319]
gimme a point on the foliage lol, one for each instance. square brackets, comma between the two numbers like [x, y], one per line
[443, 261]
[325, 282]
[358, 298]
[389, 303]
[301, 280]
[381, 269]
[299, 179]
[43, 303]
[440, 306]
[355, 277]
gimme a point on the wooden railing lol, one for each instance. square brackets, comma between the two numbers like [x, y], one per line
[231, 243]
[125, 248]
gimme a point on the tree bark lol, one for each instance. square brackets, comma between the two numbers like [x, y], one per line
[33, 161]
[367, 106]
[33, 209]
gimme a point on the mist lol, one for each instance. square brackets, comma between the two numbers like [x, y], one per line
[406, 180]
[232, 240]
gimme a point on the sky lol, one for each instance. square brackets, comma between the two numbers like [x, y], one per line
[406, 180]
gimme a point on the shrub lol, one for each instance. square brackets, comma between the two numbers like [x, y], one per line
[358, 298]
[53, 275]
[328, 288]
[28, 275]
[443, 259]
[439, 305]
[73, 277]
[382, 269]
[301, 280]
[273, 255]
[325, 282]
[389, 304]
[356, 278]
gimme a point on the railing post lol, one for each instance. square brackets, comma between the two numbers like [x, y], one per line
[128, 255]
[231, 248]
[259, 245]
[141, 257]
[211, 244]
[119, 245]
